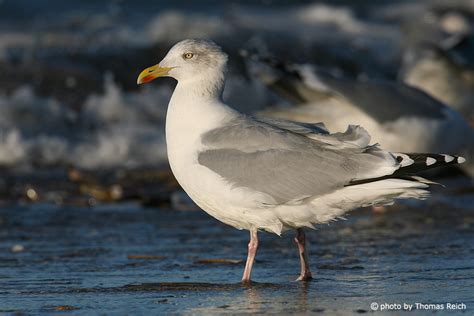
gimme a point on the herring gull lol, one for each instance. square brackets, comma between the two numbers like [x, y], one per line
[439, 72]
[266, 174]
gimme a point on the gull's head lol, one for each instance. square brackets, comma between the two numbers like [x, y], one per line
[188, 59]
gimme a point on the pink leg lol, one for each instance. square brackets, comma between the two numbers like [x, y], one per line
[300, 239]
[253, 245]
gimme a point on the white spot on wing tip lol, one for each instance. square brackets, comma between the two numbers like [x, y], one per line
[461, 159]
[448, 158]
[406, 160]
[430, 161]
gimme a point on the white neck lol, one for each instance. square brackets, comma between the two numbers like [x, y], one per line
[207, 85]
[195, 108]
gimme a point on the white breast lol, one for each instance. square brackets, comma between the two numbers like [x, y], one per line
[187, 120]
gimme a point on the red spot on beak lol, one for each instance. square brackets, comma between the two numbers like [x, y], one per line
[148, 78]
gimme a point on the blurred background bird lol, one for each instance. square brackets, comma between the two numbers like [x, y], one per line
[402, 117]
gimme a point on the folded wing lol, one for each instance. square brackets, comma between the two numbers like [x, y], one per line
[292, 162]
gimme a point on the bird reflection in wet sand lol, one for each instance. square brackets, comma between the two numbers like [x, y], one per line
[258, 298]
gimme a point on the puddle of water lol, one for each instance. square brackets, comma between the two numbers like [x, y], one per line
[127, 259]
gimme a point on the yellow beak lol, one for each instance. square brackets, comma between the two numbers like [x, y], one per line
[152, 73]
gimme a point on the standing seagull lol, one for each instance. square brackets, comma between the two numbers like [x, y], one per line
[272, 175]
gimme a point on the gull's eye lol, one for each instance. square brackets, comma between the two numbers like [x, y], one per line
[188, 55]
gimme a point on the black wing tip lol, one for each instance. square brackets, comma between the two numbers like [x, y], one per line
[416, 162]
[413, 163]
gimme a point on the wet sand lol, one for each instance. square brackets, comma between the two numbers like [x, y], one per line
[126, 259]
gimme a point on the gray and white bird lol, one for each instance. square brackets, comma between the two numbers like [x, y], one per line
[272, 175]
[437, 71]
[399, 117]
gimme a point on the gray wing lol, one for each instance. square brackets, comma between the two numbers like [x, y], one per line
[288, 166]
[354, 136]
[296, 127]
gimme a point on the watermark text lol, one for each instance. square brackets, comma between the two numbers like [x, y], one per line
[385, 306]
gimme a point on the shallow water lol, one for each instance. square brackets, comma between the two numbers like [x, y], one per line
[123, 259]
